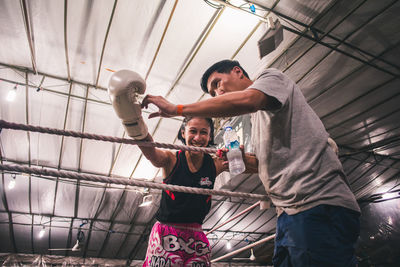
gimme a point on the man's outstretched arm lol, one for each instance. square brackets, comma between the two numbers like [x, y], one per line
[226, 105]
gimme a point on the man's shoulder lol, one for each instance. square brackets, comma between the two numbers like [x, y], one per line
[267, 72]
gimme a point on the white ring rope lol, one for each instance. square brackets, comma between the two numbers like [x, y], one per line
[268, 238]
[131, 182]
[17, 126]
[234, 217]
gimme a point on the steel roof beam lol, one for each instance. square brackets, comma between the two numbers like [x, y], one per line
[29, 34]
[301, 55]
[73, 96]
[5, 203]
[105, 42]
[53, 217]
[61, 147]
[162, 37]
[24, 69]
[66, 39]
[326, 34]
[335, 48]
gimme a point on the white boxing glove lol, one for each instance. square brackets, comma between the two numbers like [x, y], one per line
[122, 89]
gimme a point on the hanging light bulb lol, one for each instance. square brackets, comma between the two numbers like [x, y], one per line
[11, 185]
[41, 233]
[228, 245]
[12, 94]
[12, 182]
[147, 200]
[252, 257]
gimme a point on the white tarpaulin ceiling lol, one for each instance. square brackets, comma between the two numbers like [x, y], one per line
[60, 54]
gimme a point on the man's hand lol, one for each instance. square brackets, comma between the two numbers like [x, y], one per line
[166, 108]
[221, 154]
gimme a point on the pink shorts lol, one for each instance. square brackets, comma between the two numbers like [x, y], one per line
[177, 245]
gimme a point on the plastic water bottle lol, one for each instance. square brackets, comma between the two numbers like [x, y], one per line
[234, 155]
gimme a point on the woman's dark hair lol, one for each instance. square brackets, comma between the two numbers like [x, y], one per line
[185, 122]
[223, 66]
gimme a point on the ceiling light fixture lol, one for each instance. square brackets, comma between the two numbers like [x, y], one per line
[12, 183]
[389, 195]
[42, 231]
[228, 245]
[12, 93]
[147, 200]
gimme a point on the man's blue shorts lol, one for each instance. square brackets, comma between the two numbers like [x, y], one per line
[322, 236]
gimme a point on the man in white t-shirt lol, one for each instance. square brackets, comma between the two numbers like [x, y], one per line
[318, 215]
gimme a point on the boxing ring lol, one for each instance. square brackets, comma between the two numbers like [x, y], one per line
[262, 202]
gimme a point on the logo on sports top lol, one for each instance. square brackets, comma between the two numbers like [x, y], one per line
[205, 181]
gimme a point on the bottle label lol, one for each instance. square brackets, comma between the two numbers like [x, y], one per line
[233, 145]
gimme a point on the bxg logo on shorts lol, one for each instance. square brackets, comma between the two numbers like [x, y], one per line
[173, 243]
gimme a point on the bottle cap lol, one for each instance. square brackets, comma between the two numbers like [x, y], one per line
[228, 128]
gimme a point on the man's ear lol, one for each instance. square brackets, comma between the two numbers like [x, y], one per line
[238, 71]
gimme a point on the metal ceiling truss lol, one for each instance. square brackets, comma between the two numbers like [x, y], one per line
[379, 86]
[381, 147]
[80, 219]
[340, 41]
[105, 42]
[298, 37]
[356, 167]
[362, 112]
[199, 43]
[67, 227]
[361, 163]
[28, 70]
[66, 40]
[161, 40]
[8, 160]
[301, 55]
[392, 113]
[4, 199]
[29, 34]
[67, 94]
[62, 147]
[363, 173]
[367, 188]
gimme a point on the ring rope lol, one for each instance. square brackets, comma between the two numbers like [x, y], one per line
[234, 217]
[131, 182]
[17, 126]
[266, 239]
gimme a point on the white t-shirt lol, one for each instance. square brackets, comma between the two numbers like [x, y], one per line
[297, 166]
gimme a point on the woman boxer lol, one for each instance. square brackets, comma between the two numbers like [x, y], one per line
[177, 238]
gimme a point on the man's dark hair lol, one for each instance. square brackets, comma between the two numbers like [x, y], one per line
[184, 123]
[223, 66]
